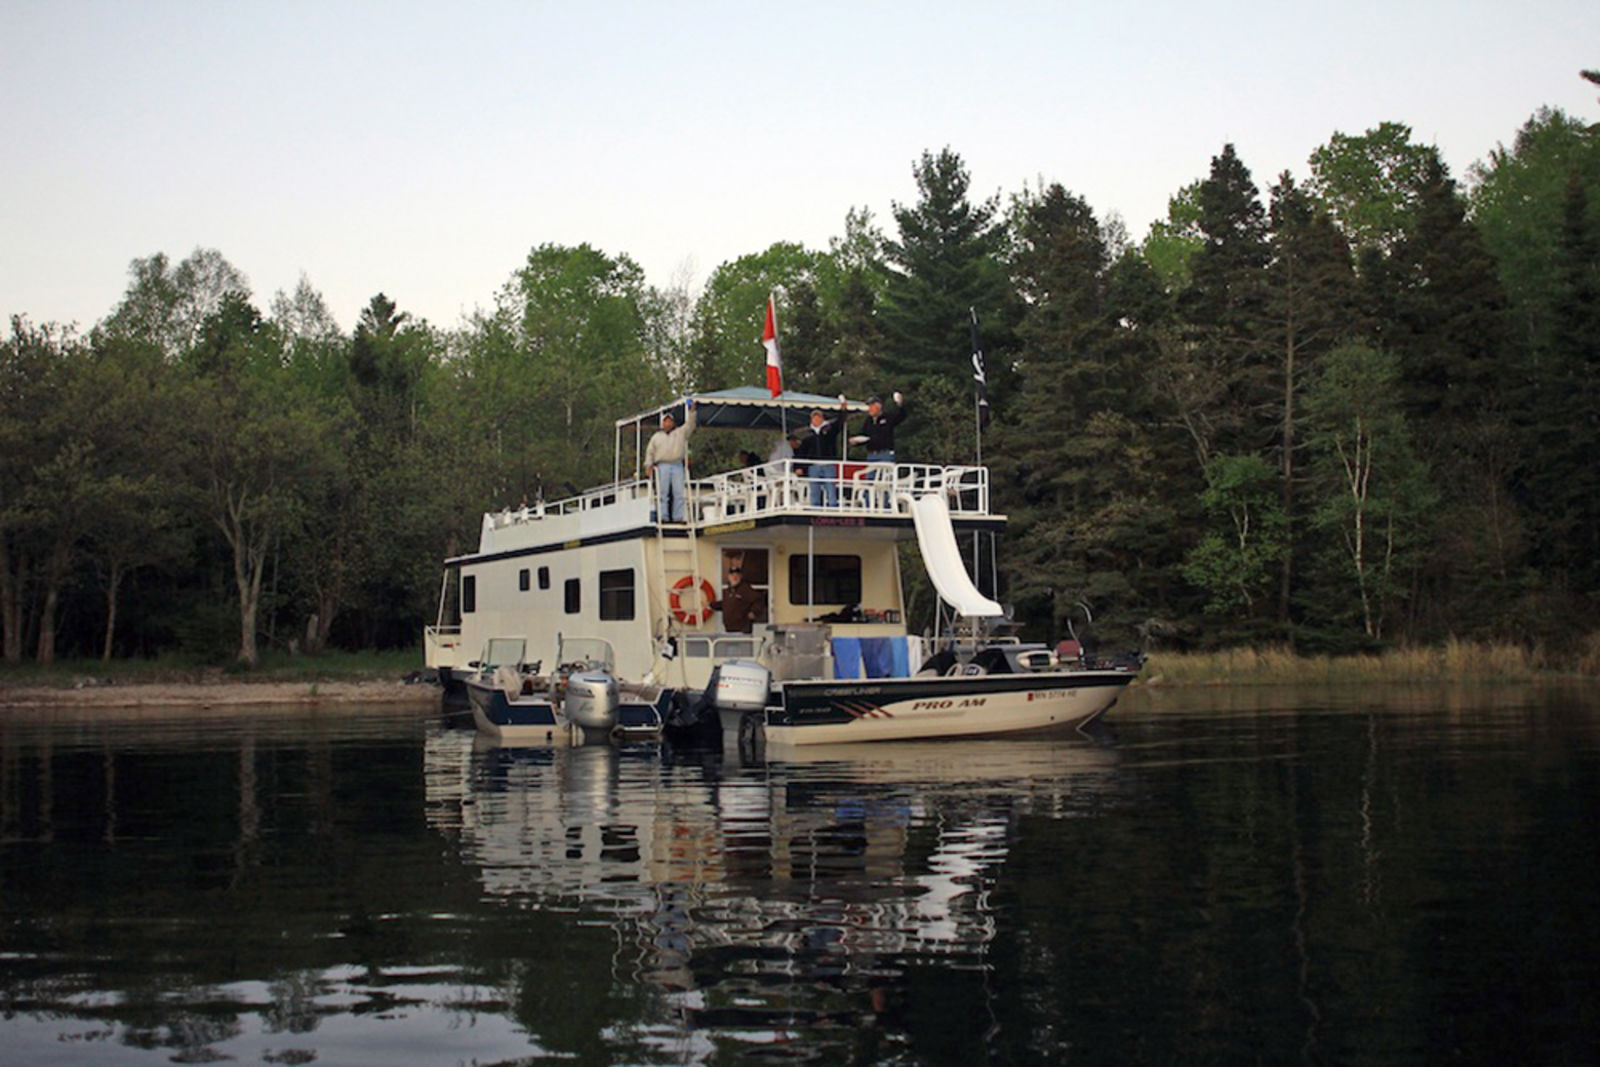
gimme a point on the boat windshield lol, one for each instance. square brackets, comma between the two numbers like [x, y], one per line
[586, 653]
[503, 652]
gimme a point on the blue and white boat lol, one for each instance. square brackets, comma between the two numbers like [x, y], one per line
[579, 700]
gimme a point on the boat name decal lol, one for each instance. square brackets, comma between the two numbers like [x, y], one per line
[940, 705]
[731, 527]
[843, 521]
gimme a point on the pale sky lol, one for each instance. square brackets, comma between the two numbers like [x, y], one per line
[421, 150]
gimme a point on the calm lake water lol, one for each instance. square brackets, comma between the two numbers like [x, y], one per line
[1322, 876]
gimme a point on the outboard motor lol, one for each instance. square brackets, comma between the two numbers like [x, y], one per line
[591, 700]
[739, 686]
[736, 686]
[692, 724]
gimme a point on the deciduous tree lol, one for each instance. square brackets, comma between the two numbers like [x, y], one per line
[1374, 496]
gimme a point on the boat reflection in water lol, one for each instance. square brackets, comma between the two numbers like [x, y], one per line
[760, 896]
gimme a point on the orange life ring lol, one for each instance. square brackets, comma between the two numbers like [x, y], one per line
[707, 595]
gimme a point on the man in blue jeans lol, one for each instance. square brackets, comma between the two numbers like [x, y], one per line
[877, 434]
[820, 442]
[664, 458]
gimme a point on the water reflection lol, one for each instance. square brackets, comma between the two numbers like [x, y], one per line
[763, 899]
[1321, 875]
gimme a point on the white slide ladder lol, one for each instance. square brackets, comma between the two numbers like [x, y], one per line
[937, 539]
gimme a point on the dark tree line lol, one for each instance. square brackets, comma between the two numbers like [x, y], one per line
[1350, 412]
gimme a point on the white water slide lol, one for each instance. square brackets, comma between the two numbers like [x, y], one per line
[937, 539]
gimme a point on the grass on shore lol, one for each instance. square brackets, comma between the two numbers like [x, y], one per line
[1454, 661]
[387, 666]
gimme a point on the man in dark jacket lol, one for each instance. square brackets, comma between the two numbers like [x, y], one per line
[741, 606]
[877, 432]
[820, 442]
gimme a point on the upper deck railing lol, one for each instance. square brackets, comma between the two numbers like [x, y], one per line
[774, 489]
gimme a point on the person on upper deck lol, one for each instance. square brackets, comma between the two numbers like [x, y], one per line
[877, 431]
[819, 448]
[664, 460]
[785, 447]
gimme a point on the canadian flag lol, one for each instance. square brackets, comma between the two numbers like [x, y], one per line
[769, 341]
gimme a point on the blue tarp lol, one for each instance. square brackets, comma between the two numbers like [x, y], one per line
[871, 657]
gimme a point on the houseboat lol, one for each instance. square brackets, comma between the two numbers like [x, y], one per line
[829, 658]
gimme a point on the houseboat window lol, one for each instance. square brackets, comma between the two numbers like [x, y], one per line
[616, 594]
[720, 647]
[574, 596]
[469, 593]
[522, 579]
[838, 579]
[544, 577]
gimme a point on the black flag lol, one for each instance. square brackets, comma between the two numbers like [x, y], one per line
[980, 378]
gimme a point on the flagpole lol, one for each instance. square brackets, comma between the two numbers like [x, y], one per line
[980, 392]
[977, 426]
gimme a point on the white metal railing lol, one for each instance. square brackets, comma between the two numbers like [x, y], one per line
[863, 489]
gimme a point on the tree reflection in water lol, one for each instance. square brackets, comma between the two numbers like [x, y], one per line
[1314, 875]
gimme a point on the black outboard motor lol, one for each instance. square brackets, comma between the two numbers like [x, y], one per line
[693, 722]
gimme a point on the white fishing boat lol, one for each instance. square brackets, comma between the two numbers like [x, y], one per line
[829, 658]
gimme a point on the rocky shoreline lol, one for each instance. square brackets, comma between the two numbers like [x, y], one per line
[97, 693]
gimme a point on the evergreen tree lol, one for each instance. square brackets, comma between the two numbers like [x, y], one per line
[1445, 320]
[850, 282]
[1560, 477]
[1059, 265]
[1309, 307]
[1448, 320]
[1217, 376]
[944, 263]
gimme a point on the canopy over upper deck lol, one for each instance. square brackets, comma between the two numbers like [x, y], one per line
[749, 407]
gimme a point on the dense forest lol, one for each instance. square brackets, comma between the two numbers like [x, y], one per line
[1348, 412]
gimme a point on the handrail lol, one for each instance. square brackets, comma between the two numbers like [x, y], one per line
[865, 489]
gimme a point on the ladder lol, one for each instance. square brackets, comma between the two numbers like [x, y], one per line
[675, 556]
